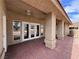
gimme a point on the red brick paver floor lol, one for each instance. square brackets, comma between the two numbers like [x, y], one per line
[75, 49]
[36, 49]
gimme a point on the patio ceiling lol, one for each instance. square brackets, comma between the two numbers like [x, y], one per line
[48, 6]
[19, 6]
[39, 8]
[43, 5]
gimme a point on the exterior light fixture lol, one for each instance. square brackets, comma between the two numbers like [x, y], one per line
[28, 12]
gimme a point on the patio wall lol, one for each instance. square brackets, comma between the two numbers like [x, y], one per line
[2, 13]
[11, 15]
[1, 46]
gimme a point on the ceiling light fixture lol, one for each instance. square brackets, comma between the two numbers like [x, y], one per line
[28, 12]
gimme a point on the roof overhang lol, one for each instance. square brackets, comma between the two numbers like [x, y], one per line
[60, 7]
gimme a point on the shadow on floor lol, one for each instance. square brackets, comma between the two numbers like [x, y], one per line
[36, 49]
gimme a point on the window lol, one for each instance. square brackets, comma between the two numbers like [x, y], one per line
[26, 31]
[42, 29]
[37, 28]
[73, 28]
[16, 30]
[32, 30]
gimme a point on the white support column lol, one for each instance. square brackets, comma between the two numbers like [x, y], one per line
[60, 31]
[66, 29]
[50, 31]
[62, 28]
[2, 13]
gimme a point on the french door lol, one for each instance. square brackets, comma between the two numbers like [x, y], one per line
[30, 31]
[25, 31]
[34, 30]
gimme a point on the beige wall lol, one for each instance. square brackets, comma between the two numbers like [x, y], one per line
[2, 13]
[1, 39]
[15, 16]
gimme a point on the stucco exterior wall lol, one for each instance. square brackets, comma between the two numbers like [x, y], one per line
[2, 13]
[15, 16]
[1, 39]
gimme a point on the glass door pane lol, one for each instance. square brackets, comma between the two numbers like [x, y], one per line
[26, 31]
[42, 30]
[37, 30]
[32, 30]
[16, 30]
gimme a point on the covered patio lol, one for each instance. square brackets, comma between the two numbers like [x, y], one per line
[35, 49]
[27, 20]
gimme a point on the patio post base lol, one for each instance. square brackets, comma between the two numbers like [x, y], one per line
[50, 43]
